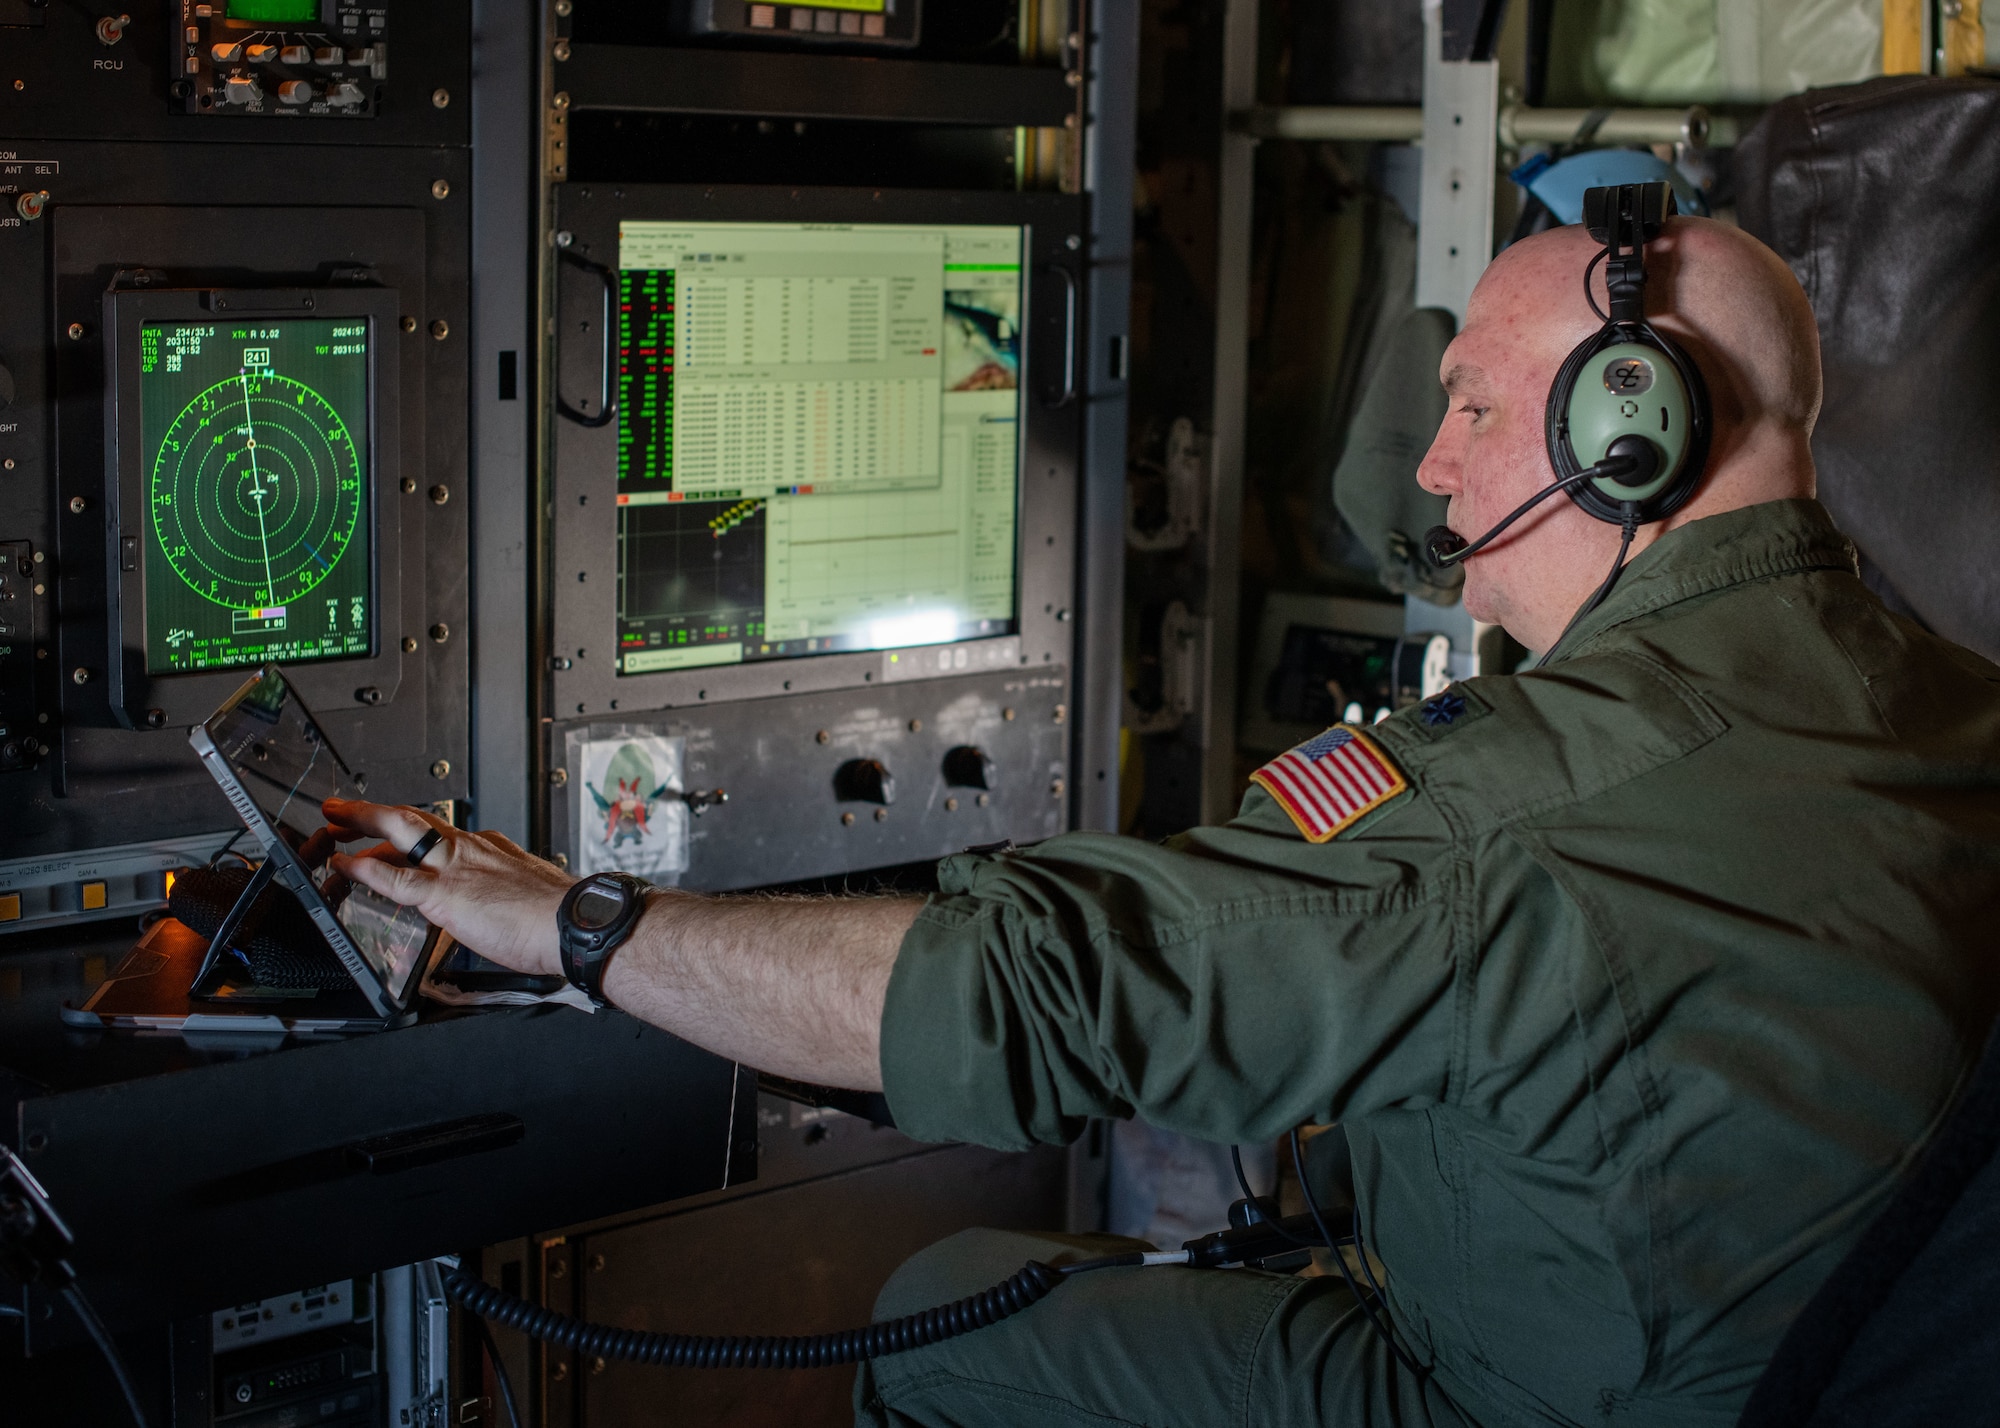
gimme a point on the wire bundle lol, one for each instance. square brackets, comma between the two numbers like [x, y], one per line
[947, 1321]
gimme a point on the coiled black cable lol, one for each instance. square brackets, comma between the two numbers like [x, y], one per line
[893, 1336]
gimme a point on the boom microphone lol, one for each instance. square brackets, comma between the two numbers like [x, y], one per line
[1445, 547]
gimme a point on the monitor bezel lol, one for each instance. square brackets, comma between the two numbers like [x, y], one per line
[582, 542]
[185, 699]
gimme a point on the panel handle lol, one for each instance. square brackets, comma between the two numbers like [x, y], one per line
[427, 1145]
[607, 402]
[1066, 394]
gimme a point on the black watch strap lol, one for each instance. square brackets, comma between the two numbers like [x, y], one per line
[596, 916]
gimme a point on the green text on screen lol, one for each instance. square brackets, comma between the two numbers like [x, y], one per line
[818, 438]
[255, 443]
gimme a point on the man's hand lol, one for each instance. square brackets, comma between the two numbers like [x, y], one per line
[483, 888]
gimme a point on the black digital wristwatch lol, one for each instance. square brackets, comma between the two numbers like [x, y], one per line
[595, 918]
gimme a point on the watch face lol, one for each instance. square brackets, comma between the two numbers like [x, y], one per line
[597, 908]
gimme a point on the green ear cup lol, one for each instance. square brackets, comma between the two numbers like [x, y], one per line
[1629, 382]
[1630, 390]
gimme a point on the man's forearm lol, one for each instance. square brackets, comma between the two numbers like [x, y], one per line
[793, 986]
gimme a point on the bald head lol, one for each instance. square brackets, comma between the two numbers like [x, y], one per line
[1725, 297]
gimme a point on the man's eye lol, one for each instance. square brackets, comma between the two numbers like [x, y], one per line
[1474, 412]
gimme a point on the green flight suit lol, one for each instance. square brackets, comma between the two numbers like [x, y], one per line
[1634, 1005]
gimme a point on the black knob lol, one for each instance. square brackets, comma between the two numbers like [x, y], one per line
[865, 781]
[968, 767]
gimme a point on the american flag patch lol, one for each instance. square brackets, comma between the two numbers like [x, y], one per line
[1328, 782]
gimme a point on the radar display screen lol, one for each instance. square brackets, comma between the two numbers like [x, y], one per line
[254, 439]
[818, 438]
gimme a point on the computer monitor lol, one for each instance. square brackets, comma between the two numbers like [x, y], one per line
[818, 430]
[252, 477]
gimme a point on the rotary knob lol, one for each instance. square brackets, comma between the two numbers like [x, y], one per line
[865, 781]
[968, 766]
[295, 91]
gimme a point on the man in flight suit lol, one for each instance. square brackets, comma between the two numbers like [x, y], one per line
[1636, 981]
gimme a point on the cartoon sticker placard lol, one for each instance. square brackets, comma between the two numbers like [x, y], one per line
[627, 813]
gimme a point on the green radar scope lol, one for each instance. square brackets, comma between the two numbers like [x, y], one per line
[253, 444]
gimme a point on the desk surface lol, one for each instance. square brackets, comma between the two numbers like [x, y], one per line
[40, 971]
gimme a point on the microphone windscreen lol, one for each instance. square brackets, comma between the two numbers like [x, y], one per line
[1441, 544]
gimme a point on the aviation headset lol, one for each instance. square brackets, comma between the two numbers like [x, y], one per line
[1628, 401]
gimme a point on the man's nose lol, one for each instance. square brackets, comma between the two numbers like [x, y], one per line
[1442, 467]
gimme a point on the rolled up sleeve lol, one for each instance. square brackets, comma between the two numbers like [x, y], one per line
[1229, 984]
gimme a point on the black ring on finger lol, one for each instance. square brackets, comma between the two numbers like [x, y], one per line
[421, 849]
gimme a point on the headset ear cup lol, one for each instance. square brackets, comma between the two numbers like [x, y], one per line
[1674, 387]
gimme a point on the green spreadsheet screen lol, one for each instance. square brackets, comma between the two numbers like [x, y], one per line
[818, 438]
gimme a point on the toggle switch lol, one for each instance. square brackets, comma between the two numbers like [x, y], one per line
[968, 767]
[865, 781]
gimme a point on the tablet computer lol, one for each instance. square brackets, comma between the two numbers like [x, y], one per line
[275, 764]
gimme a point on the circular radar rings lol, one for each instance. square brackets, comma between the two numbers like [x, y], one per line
[256, 491]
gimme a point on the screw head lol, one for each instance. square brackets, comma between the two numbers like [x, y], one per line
[1056, 787]
[76, 332]
[441, 769]
[881, 815]
[78, 505]
[983, 799]
[916, 726]
[847, 820]
[823, 737]
[79, 675]
[8, 464]
[156, 718]
[409, 644]
[597, 1263]
[440, 632]
[1008, 715]
[562, 49]
[561, 99]
[1062, 713]
[408, 324]
[409, 485]
[440, 329]
[951, 805]
[439, 99]
[440, 188]
[558, 1371]
[440, 494]
[559, 777]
